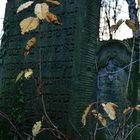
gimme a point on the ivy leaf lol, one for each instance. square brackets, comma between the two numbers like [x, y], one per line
[28, 73]
[36, 128]
[110, 110]
[29, 46]
[131, 25]
[19, 76]
[54, 2]
[84, 116]
[51, 18]
[24, 6]
[41, 10]
[29, 24]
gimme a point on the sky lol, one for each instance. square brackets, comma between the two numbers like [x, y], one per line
[124, 31]
[2, 12]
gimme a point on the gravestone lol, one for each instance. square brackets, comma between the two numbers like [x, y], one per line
[68, 54]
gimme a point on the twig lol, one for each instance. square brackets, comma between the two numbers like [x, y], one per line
[76, 130]
[131, 131]
[6, 117]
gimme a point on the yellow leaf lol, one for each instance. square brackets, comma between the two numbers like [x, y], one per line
[36, 128]
[99, 117]
[131, 25]
[19, 76]
[41, 10]
[84, 116]
[28, 73]
[54, 2]
[29, 46]
[110, 110]
[51, 18]
[137, 107]
[24, 6]
[29, 24]
[126, 110]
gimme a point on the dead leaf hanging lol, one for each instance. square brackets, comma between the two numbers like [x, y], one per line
[110, 110]
[131, 25]
[99, 116]
[28, 24]
[24, 6]
[54, 2]
[138, 2]
[36, 128]
[29, 46]
[126, 110]
[137, 107]
[84, 116]
[38, 86]
[41, 10]
[115, 27]
[51, 18]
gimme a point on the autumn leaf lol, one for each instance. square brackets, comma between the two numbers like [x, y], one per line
[36, 128]
[38, 86]
[84, 116]
[131, 25]
[137, 107]
[115, 27]
[54, 2]
[138, 2]
[28, 73]
[51, 18]
[99, 116]
[126, 110]
[19, 76]
[29, 46]
[110, 110]
[24, 6]
[29, 24]
[41, 10]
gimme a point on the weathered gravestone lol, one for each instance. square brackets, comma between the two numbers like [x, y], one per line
[67, 65]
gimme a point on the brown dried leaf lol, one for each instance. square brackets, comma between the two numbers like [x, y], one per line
[126, 110]
[29, 46]
[24, 6]
[99, 116]
[138, 2]
[84, 116]
[137, 107]
[54, 2]
[51, 18]
[41, 10]
[28, 24]
[38, 86]
[131, 25]
[110, 110]
[115, 27]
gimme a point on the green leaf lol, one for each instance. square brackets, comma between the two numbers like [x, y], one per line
[19, 76]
